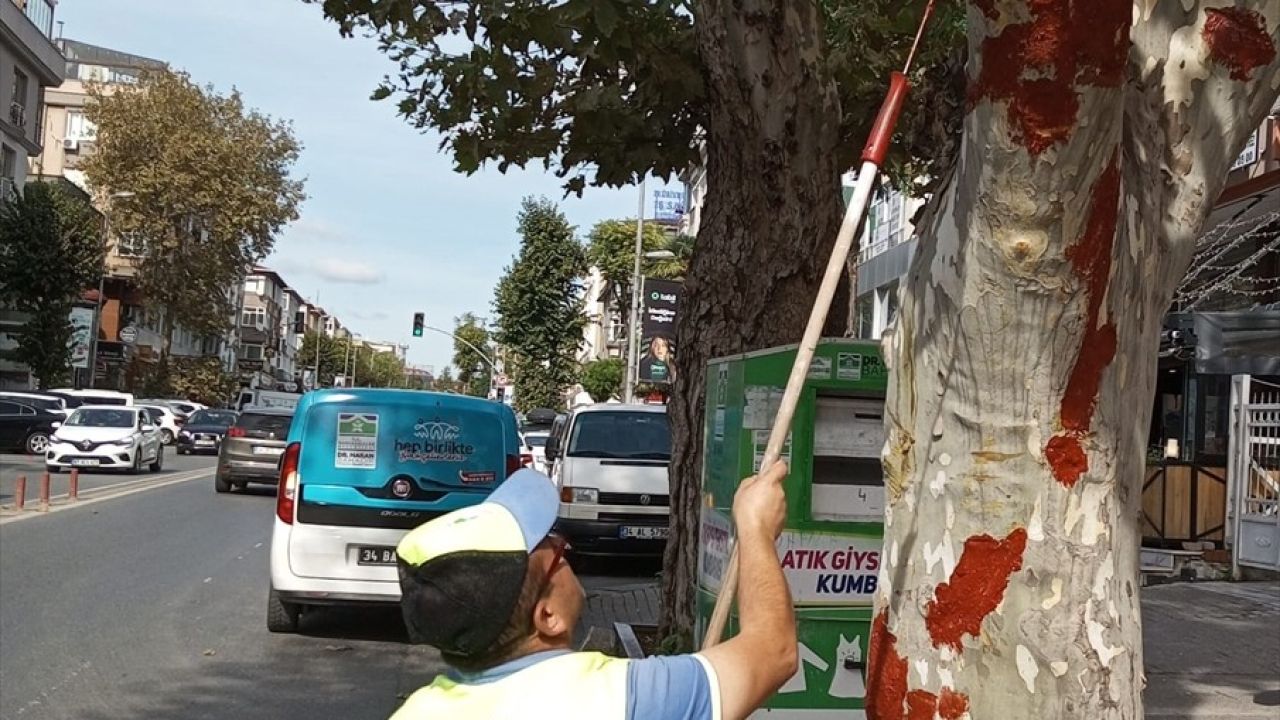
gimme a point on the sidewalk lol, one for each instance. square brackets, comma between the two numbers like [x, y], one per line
[1212, 649]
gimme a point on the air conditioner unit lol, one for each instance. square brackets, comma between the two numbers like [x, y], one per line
[70, 144]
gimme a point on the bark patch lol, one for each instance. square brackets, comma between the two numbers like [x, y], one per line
[1039, 66]
[1090, 257]
[887, 684]
[975, 588]
[1237, 39]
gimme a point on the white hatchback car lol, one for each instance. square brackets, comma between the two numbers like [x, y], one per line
[106, 437]
[164, 418]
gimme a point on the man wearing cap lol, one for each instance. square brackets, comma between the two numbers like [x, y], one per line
[489, 587]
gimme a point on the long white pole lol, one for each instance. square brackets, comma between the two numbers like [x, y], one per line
[633, 331]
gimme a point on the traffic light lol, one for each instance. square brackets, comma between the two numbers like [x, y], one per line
[418, 321]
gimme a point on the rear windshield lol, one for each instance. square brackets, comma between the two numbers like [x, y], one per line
[45, 404]
[212, 417]
[535, 440]
[261, 425]
[635, 435]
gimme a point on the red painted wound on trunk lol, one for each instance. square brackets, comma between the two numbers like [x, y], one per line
[887, 679]
[921, 705]
[1090, 257]
[975, 588]
[1238, 40]
[1039, 66]
[952, 705]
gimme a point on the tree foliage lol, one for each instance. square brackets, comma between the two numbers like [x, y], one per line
[602, 379]
[348, 357]
[539, 306]
[470, 328]
[50, 251]
[615, 88]
[611, 247]
[211, 183]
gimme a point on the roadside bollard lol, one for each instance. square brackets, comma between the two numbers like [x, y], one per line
[73, 494]
[44, 492]
[20, 494]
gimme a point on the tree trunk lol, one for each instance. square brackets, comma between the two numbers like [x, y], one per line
[1024, 356]
[772, 213]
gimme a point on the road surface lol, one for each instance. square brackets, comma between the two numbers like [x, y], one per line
[153, 605]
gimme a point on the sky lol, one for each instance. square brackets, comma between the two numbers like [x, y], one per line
[388, 228]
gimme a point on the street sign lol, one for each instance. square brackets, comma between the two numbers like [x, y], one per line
[128, 334]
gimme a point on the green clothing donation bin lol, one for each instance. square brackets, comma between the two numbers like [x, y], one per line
[830, 548]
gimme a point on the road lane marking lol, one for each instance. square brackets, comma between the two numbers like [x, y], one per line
[102, 494]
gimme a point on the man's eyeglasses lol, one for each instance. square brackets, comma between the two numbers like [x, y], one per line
[559, 545]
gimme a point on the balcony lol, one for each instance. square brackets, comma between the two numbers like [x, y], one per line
[30, 22]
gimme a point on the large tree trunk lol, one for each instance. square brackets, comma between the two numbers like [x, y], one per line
[772, 213]
[1023, 360]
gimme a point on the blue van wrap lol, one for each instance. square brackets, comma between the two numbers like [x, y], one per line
[396, 458]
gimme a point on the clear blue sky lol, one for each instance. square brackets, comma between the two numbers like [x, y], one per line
[388, 227]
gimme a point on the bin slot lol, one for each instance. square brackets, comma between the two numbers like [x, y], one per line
[848, 481]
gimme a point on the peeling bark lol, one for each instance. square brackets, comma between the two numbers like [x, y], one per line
[1024, 356]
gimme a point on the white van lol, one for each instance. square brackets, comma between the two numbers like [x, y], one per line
[76, 398]
[610, 463]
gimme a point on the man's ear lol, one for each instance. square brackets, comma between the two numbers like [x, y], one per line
[548, 621]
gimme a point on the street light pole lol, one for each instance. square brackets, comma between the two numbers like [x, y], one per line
[633, 342]
[102, 282]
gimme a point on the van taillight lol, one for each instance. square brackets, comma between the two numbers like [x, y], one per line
[235, 431]
[288, 488]
[517, 461]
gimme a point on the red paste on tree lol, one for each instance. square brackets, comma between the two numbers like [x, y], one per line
[1237, 39]
[975, 587]
[1037, 67]
[1090, 257]
[887, 684]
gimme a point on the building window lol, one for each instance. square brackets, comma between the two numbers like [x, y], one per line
[253, 317]
[80, 128]
[40, 13]
[18, 101]
[8, 171]
[130, 245]
[252, 352]
[885, 221]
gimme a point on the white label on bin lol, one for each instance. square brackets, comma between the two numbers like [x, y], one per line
[715, 530]
[827, 569]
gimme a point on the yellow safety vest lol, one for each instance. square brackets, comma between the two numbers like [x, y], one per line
[574, 686]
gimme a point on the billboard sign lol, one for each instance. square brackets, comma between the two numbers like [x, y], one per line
[81, 320]
[658, 330]
[668, 205]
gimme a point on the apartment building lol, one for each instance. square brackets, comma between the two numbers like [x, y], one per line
[29, 63]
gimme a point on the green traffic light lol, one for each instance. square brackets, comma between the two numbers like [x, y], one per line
[417, 332]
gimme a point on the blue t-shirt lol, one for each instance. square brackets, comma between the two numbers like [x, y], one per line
[670, 687]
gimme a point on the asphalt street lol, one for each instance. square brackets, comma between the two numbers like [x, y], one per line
[153, 605]
[13, 466]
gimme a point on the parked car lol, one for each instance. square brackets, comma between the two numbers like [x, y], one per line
[204, 431]
[106, 436]
[163, 417]
[251, 449]
[26, 428]
[361, 469]
[40, 401]
[611, 467]
[535, 445]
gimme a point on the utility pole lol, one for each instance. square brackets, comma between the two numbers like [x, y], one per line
[633, 341]
[351, 341]
[315, 379]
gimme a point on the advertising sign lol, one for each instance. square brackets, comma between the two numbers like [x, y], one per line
[658, 330]
[357, 444]
[668, 205]
[830, 569]
[81, 319]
